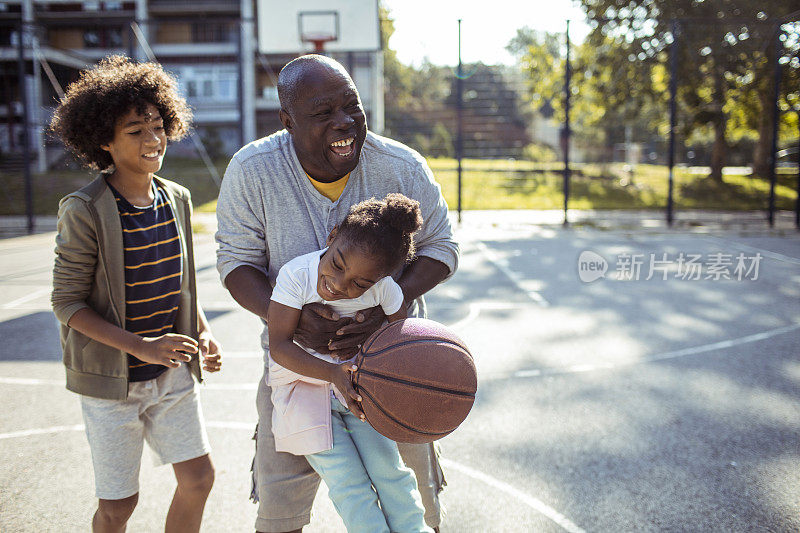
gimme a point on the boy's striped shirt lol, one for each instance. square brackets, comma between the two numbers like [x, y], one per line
[153, 271]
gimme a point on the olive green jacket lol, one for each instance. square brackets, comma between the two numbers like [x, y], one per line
[89, 272]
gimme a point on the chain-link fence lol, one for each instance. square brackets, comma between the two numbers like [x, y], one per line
[679, 119]
[672, 115]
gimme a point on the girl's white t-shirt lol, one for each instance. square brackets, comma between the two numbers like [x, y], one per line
[296, 286]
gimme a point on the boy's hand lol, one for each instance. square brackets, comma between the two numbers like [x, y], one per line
[211, 350]
[167, 350]
[342, 378]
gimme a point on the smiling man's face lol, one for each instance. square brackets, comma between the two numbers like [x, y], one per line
[327, 123]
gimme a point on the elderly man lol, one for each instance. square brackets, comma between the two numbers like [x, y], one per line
[280, 198]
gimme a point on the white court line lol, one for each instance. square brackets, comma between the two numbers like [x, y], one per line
[60, 382]
[81, 427]
[232, 425]
[229, 386]
[502, 486]
[31, 381]
[519, 374]
[27, 298]
[765, 253]
[662, 356]
[247, 354]
[474, 311]
[515, 278]
[726, 344]
[565, 523]
[41, 431]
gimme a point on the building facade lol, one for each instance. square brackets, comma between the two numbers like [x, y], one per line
[210, 46]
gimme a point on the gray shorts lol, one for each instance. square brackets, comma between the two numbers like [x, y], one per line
[284, 485]
[164, 411]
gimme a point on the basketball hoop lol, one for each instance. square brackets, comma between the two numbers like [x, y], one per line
[319, 41]
[335, 26]
[318, 27]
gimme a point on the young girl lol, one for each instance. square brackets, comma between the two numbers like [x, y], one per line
[316, 408]
[125, 293]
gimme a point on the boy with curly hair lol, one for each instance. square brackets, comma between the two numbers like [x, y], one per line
[124, 290]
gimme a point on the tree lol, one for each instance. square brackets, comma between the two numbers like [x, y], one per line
[611, 92]
[421, 107]
[724, 56]
[414, 97]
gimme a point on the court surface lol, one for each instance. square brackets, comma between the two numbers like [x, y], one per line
[618, 404]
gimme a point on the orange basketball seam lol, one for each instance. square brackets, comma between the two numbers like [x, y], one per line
[417, 385]
[378, 334]
[416, 341]
[399, 423]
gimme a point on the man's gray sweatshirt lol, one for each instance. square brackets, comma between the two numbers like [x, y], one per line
[268, 211]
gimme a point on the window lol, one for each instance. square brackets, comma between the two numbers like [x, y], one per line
[8, 36]
[114, 37]
[91, 39]
[103, 38]
[212, 84]
[213, 32]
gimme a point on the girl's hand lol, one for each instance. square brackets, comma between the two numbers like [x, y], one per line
[169, 350]
[342, 378]
[211, 350]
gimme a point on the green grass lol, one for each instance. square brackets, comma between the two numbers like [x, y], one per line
[487, 184]
[524, 185]
[51, 187]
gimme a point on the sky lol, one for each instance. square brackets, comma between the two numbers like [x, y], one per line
[429, 28]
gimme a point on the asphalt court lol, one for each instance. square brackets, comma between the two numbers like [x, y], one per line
[619, 404]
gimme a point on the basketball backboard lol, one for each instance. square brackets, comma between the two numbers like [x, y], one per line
[296, 27]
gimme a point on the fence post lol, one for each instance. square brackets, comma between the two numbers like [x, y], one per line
[26, 139]
[240, 93]
[459, 113]
[797, 200]
[775, 117]
[673, 89]
[566, 131]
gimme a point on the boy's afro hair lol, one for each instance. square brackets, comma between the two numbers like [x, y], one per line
[86, 116]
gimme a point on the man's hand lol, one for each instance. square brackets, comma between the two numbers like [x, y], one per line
[350, 337]
[211, 350]
[317, 326]
[167, 350]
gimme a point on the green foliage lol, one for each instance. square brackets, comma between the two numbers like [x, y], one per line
[726, 51]
[411, 94]
[541, 57]
[421, 107]
[540, 153]
[609, 92]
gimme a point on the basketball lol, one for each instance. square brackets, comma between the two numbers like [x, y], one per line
[417, 380]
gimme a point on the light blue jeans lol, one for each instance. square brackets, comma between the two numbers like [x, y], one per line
[362, 458]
